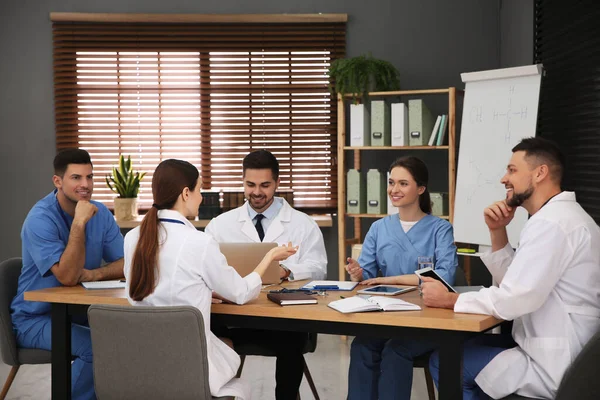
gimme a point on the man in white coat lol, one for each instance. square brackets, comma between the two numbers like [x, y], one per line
[550, 286]
[266, 218]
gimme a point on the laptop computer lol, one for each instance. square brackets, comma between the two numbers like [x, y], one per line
[244, 257]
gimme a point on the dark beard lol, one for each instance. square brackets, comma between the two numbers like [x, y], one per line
[263, 208]
[518, 199]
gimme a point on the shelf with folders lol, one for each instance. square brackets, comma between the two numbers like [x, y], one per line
[355, 219]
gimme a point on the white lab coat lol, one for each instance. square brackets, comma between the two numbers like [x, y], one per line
[190, 267]
[290, 225]
[551, 289]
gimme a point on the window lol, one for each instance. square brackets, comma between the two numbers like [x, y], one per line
[207, 89]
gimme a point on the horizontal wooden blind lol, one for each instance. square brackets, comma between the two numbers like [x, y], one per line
[203, 92]
[567, 42]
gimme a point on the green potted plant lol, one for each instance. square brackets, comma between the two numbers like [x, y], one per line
[126, 183]
[358, 76]
[363, 74]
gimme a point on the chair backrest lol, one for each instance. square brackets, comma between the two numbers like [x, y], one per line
[581, 379]
[459, 277]
[9, 280]
[311, 343]
[149, 352]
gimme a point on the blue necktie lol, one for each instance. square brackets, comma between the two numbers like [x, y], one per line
[259, 227]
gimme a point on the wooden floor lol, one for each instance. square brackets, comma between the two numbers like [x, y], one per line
[328, 366]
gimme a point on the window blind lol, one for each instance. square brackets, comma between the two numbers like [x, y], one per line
[205, 92]
[567, 42]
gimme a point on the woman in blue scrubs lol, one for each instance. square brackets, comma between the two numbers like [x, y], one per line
[383, 368]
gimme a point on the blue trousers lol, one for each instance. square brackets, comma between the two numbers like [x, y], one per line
[383, 368]
[36, 333]
[477, 353]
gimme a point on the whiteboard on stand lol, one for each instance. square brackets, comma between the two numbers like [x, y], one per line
[500, 109]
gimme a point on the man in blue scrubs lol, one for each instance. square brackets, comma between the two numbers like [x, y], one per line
[65, 238]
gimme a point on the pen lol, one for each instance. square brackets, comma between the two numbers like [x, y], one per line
[325, 287]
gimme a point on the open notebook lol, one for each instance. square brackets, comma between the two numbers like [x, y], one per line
[372, 303]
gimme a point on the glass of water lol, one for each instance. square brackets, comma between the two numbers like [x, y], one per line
[424, 262]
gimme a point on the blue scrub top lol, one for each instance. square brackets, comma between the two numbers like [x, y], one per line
[44, 237]
[387, 248]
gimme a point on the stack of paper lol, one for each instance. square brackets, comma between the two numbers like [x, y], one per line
[116, 284]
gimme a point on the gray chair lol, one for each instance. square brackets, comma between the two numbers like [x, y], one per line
[11, 354]
[149, 353]
[257, 350]
[581, 378]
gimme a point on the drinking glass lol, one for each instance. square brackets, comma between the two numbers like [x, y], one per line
[424, 262]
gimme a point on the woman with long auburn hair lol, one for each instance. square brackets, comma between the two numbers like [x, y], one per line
[168, 262]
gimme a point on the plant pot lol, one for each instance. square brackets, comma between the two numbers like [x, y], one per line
[126, 209]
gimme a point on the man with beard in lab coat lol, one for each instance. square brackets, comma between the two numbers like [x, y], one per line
[550, 286]
[266, 218]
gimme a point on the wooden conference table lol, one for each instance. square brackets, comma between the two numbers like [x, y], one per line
[445, 327]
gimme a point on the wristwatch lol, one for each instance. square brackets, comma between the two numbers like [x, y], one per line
[289, 274]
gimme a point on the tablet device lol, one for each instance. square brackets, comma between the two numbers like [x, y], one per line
[429, 272]
[386, 290]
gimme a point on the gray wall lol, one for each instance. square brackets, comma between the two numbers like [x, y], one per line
[430, 41]
[516, 33]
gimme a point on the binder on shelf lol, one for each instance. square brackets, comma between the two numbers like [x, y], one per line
[356, 249]
[420, 123]
[376, 192]
[380, 123]
[434, 132]
[442, 132]
[399, 122]
[439, 203]
[355, 193]
[360, 125]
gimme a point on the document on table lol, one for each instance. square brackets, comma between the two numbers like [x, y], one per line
[115, 284]
[330, 285]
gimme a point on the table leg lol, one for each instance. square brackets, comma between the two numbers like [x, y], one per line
[61, 352]
[451, 368]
